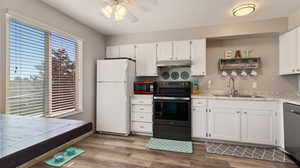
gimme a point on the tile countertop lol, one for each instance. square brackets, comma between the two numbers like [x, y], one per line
[264, 98]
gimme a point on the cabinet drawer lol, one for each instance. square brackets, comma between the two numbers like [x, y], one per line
[142, 108]
[141, 101]
[198, 102]
[144, 117]
[142, 127]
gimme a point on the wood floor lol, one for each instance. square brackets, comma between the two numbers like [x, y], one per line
[104, 151]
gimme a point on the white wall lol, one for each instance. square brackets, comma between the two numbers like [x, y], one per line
[294, 19]
[93, 46]
[277, 25]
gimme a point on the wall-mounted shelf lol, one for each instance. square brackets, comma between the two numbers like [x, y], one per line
[239, 63]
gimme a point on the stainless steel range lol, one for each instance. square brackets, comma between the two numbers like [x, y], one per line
[172, 110]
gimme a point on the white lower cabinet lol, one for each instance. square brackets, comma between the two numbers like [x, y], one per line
[141, 114]
[235, 120]
[199, 118]
[224, 123]
[198, 122]
[257, 126]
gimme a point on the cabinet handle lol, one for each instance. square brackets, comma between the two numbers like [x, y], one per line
[238, 112]
[142, 109]
[141, 101]
[293, 70]
[245, 112]
[141, 117]
[141, 126]
[298, 70]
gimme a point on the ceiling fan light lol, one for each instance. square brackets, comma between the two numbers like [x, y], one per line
[120, 12]
[243, 10]
[107, 11]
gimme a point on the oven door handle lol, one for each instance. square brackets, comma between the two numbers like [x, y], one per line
[171, 98]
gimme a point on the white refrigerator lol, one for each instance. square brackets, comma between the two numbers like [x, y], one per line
[115, 79]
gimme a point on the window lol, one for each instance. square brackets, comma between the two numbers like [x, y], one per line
[43, 71]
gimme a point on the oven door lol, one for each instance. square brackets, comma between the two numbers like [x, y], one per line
[172, 111]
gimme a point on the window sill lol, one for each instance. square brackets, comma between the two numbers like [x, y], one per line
[63, 114]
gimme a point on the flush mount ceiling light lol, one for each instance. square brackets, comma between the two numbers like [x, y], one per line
[244, 9]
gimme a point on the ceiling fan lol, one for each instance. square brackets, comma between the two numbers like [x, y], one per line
[118, 9]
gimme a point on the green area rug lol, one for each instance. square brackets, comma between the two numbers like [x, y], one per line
[170, 145]
[66, 158]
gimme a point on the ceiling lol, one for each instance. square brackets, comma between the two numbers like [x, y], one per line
[171, 14]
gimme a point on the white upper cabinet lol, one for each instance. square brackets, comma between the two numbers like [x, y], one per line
[165, 51]
[146, 60]
[127, 51]
[198, 54]
[113, 52]
[289, 53]
[182, 50]
[257, 126]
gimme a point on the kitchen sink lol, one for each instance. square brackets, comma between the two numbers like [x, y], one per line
[241, 95]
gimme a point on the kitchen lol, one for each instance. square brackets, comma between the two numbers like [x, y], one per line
[241, 105]
[149, 83]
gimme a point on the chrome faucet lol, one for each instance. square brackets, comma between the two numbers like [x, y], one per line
[233, 91]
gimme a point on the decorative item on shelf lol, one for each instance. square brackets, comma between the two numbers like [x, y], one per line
[244, 73]
[238, 54]
[247, 53]
[224, 73]
[165, 75]
[196, 87]
[175, 75]
[228, 54]
[253, 73]
[234, 73]
[184, 75]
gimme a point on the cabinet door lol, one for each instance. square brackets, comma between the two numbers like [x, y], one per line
[146, 60]
[164, 51]
[198, 55]
[224, 124]
[257, 126]
[127, 51]
[288, 53]
[113, 52]
[182, 50]
[199, 122]
[298, 50]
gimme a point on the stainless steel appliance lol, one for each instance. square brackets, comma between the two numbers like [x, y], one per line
[291, 130]
[172, 110]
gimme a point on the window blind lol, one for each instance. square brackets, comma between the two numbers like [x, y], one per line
[63, 94]
[27, 88]
[43, 74]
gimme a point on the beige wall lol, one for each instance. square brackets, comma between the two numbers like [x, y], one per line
[248, 28]
[294, 19]
[93, 46]
[268, 81]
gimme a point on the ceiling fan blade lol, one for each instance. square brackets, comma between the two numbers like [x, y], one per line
[152, 2]
[132, 18]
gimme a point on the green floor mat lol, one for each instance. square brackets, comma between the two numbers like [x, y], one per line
[170, 145]
[66, 158]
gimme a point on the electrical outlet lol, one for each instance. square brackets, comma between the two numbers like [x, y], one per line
[254, 85]
[209, 83]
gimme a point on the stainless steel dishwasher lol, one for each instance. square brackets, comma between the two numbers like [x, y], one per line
[292, 130]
